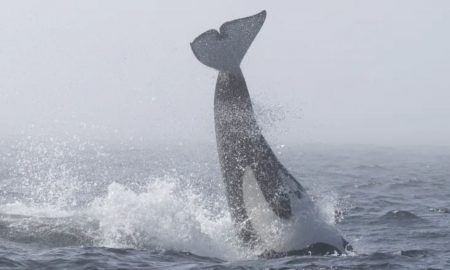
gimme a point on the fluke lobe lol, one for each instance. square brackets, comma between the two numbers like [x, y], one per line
[270, 209]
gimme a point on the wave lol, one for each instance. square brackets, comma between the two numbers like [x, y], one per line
[161, 217]
[441, 210]
[59, 196]
[105, 258]
[371, 168]
[399, 217]
[416, 253]
[5, 262]
[166, 215]
[112, 258]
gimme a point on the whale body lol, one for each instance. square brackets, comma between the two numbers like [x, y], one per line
[271, 211]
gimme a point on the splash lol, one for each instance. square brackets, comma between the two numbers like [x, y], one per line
[163, 216]
[60, 193]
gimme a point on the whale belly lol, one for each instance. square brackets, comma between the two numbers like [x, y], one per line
[304, 228]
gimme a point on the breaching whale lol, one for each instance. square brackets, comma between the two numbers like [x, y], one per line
[270, 209]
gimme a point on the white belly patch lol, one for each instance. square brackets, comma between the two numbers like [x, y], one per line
[304, 228]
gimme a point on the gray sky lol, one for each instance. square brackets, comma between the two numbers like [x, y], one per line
[364, 72]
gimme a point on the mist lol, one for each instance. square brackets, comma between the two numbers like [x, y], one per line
[324, 72]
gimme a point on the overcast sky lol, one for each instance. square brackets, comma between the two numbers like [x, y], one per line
[363, 72]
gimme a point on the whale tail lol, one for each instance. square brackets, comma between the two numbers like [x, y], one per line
[224, 51]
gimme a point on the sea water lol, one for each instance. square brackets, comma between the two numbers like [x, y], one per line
[79, 205]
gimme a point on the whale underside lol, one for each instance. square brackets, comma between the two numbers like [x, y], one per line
[271, 211]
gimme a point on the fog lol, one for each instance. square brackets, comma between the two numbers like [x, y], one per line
[331, 72]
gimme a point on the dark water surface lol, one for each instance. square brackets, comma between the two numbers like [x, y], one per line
[82, 206]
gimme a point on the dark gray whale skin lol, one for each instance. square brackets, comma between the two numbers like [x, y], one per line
[240, 143]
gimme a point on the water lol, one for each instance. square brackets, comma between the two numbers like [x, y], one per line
[72, 204]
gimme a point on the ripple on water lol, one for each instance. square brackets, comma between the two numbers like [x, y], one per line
[439, 210]
[415, 253]
[6, 263]
[399, 217]
[415, 236]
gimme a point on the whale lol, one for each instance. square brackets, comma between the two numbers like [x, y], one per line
[271, 211]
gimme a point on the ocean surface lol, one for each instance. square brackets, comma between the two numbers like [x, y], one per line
[80, 205]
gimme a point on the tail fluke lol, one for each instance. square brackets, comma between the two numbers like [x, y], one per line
[224, 51]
